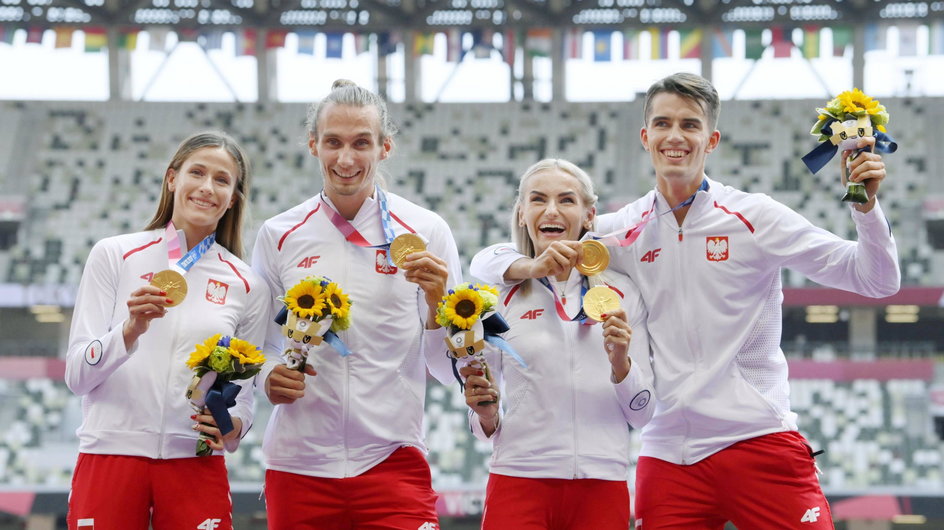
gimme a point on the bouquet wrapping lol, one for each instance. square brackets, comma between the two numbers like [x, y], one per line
[216, 363]
[846, 118]
[315, 310]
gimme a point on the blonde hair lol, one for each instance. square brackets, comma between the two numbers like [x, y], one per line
[519, 234]
[229, 229]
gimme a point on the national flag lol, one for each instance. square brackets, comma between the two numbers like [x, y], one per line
[96, 39]
[188, 34]
[453, 45]
[34, 35]
[510, 45]
[602, 49]
[63, 36]
[275, 38]
[655, 39]
[306, 41]
[423, 43]
[664, 44]
[874, 36]
[212, 40]
[246, 42]
[537, 42]
[361, 43]
[690, 43]
[753, 43]
[575, 43]
[630, 44]
[721, 43]
[811, 42]
[387, 42]
[334, 44]
[842, 37]
[6, 34]
[128, 39]
[482, 49]
[781, 41]
[907, 39]
[936, 38]
[158, 38]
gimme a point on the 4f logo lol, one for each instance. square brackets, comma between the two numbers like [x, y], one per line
[382, 266]
[147, 277]
[532, 314]
[428, 526]
[716, 248]
[209, 524]
[308, 262]
[650, 257]
[811, 515]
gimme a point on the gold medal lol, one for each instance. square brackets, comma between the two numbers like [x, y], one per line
[599, 301]
[172, 283]
[403, 246]
[595, 258]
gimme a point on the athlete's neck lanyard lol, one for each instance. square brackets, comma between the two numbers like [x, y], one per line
[183, 264]
[626, 236]
[580, 316]
[352, 235]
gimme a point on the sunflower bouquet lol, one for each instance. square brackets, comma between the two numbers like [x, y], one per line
[316, 309]
[468, 312]
[217, 362]
[846, 118]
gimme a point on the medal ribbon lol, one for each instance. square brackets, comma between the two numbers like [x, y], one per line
[353, 236]
[185, 263]
[626, 236]
[581, 316]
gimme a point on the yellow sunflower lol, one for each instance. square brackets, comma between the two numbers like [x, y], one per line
[338, 302]
[245, 352]
[306, 299]
[461, 308]
[203, 351]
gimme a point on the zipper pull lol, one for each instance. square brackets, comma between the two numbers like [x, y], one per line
[680, 233]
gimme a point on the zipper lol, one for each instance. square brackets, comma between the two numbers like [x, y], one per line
[573, 390]
[163, 431]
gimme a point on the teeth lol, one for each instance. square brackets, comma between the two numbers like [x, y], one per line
[549, 226]
[674, 153]
[199, 202]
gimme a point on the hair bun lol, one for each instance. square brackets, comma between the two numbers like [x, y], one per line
[340, 83]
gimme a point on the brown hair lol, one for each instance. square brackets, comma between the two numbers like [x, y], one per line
[229, 230]
[689, 86]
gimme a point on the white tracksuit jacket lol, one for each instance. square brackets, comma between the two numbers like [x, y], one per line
[713, 294]
[562, 416]
[134, 402]
[360, 408]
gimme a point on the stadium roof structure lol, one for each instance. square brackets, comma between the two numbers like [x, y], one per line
[360, 16]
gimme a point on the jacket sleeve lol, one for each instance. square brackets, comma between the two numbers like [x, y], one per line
[252, 328]
[442, 244]
[636, 391]
[868, 266]
[264, 263]
[96, 349]
[489, 264]
[494, 360]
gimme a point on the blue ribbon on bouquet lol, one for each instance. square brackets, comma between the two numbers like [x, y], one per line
[493, 326]
[819, 157]
[330, 337]
[220, 398]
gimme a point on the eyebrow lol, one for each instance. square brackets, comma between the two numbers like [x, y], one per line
[687, 120]
[562, 194]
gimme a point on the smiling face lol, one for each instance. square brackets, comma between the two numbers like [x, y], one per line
[203, 189]
[349, 146]
[552, 209]
[679, 137]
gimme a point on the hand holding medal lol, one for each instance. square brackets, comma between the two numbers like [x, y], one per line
[599, 299]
